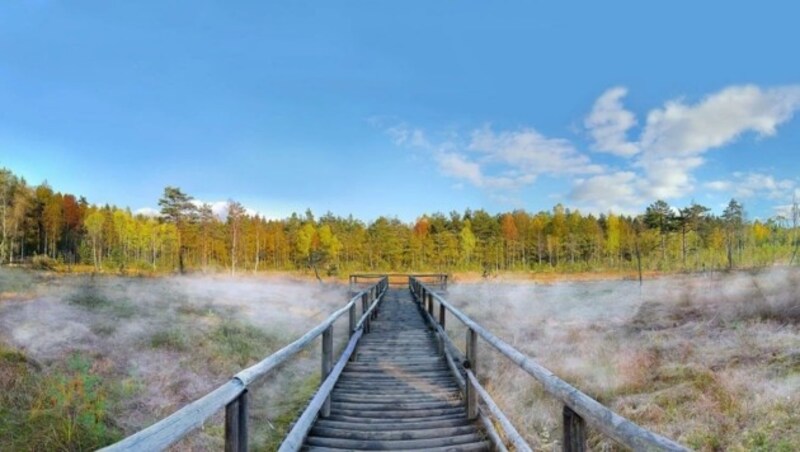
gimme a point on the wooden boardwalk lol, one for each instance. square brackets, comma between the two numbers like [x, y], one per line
[400, 383]
[397, 392]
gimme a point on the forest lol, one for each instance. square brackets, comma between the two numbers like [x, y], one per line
[49, 229]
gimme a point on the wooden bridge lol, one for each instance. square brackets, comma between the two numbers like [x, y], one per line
[401, 383]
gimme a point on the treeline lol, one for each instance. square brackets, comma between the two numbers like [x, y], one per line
[46, 227]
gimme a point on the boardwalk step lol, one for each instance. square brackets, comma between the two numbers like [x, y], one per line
[393, 444]
[397, 393]
[471, 447]
[389, 426]
[393, 435]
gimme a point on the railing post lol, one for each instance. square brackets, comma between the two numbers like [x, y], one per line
[236, 424]
[374, 314]
[574, 431]
[472, 361]
[430, 304]
[364, 308]
[327, 365]
[352, 319]
[442, 312]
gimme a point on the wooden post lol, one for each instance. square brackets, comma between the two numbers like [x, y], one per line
[574, 431]
[353, 320]
[364, 308]
[327, 365]
[472, 360]
[430, 304]
[442, 312]
[243, 427]
[236, 424]
[374, 314]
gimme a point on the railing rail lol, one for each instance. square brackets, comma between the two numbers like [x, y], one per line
[438, 280]
[233, 395]
[579, 408]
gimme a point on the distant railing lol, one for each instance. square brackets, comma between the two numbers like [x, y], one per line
[578, 408]
[233, 395]
[436, 281]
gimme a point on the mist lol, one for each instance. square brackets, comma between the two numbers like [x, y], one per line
[169, 341]
[709, 360]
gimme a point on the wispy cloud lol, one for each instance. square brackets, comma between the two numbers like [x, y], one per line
[609, 122]
[659, 163]
[676, 136]
[752, 184]
[504, 160]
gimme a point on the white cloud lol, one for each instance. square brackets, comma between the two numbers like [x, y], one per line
[148, 212]
[719, 119]
[718, 185]
[609, 122]
[505, 160]
[750, 185]
[667, 177]
[530, 153]
[403, 135]
[220, 208]
[676, 136]
[456, 166]
[614, 192]
[660, 162]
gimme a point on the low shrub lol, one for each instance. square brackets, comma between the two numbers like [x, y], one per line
[42, 262]
[59, 410]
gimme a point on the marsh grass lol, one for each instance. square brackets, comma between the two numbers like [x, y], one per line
[63, 408]
[170, 338]
[710, 361]
[93, 359]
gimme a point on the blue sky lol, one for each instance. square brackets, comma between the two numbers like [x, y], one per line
[400, 108]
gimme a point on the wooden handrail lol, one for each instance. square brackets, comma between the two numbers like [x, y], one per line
[593, 412]
[176, 426]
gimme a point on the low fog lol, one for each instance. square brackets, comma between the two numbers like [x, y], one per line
[711, 360]
[702, 359]
[168, 340]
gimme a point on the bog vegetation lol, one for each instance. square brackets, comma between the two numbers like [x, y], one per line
[85, 361]
[50, 228]
[711, 361]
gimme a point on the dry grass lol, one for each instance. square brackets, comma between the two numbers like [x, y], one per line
[151, 345]
[711, 361]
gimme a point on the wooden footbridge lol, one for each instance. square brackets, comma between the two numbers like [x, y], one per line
[400, 383]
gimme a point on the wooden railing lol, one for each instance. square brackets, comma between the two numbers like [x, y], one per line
[578, 408]
[437, 281]
[233, 395]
